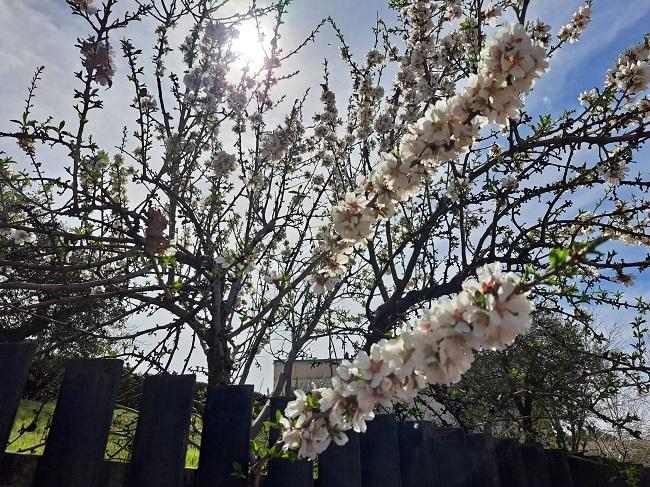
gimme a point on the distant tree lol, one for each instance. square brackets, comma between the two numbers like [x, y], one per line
[555, 386]
[63, 324]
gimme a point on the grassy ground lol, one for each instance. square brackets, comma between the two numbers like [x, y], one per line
[32, 426]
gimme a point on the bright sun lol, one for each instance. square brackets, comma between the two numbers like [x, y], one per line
[248, 44]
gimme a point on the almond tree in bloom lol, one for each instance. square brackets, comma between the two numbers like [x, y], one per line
[412, 224]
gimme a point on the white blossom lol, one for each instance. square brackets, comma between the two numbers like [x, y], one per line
[274, 279]
[374, 57]
[587, 98]
[628, 280]
[353, 219]
[540, 32]
[509, 182]
[216, 32]
[492, 13]
[86, 6]
[223, 163]
[614, 169]
[22, 237]
[97, 290]
[98, 58]
[632, 77]
[322, 282]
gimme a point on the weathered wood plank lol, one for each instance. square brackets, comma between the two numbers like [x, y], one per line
[75, 447]
[15, 359]
[283, 473]
[558, 468]
[417, 460]
[160, 443]
[536, 466]
[511, 466]
[485, 472]
[589, 473]
[378, 444]
[451, 453]
[340, 466]
[226, 436]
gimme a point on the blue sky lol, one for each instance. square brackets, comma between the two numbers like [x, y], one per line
[37, 32]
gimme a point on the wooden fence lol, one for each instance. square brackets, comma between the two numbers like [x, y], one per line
[390, 454]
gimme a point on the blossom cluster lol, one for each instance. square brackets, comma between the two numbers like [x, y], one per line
[616, 226]
[368, 95]
[492, 13]
[488, 312]
[98, 59]
[510, 63]
[540, 32]
[572, 31]
[85, 6]
[18, 235]
[208, 56]
[223, 163]
[325, 141]
[614, 168]
[411, 78]
[631, 73]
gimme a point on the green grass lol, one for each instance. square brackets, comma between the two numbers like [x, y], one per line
[32, 425]
[30, 428]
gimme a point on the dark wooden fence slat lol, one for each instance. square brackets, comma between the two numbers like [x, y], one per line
[644, 478]
[160, 443]
[283, 473]
[75, 447]
[485, 472]
[536, 466]
[379, 453]
[15, 359]
[588, 473]
[511, 465]
[340, 466]
[416, 457]
[451, 455]
[558, 468]
[226, 436]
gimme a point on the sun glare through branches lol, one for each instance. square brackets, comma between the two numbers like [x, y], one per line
[248, 45]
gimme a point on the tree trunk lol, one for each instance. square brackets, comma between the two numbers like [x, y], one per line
[219, 364]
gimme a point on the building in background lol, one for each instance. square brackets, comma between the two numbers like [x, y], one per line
[304, 373]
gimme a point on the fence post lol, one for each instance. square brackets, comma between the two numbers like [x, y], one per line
[283, 473]
[380, 453]
[417, 460]
[74, 452]
[559, 468]
[511, 466]
[536, 466]
[589, 473]
[160, 443]
[340, 466]
[226, 436]
[485, 472]
[15, 359]
[450, 450]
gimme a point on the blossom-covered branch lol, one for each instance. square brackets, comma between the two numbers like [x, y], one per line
[510, 63]
[489, 312]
